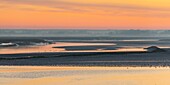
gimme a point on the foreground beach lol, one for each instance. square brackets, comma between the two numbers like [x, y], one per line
[43, 75]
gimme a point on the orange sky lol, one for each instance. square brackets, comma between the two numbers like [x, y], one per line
[85, 14]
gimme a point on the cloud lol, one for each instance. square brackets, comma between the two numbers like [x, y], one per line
[69, 6]
[53, 5]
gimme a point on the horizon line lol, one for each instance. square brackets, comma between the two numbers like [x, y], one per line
[83, 29]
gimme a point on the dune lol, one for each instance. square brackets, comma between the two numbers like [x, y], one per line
[154, 49]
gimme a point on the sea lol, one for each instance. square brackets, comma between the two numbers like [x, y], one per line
[84, 47]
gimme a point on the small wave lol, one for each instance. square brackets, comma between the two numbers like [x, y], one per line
[8, 44]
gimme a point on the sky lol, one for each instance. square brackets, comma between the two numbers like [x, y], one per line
[85, 14]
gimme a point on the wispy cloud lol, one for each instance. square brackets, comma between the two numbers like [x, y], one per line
[68, 6]
[53, 5]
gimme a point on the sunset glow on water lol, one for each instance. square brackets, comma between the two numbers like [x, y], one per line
[49, 48]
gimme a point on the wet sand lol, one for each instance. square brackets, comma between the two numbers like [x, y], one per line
[58, 45]
[46, 55]
[43, 75]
